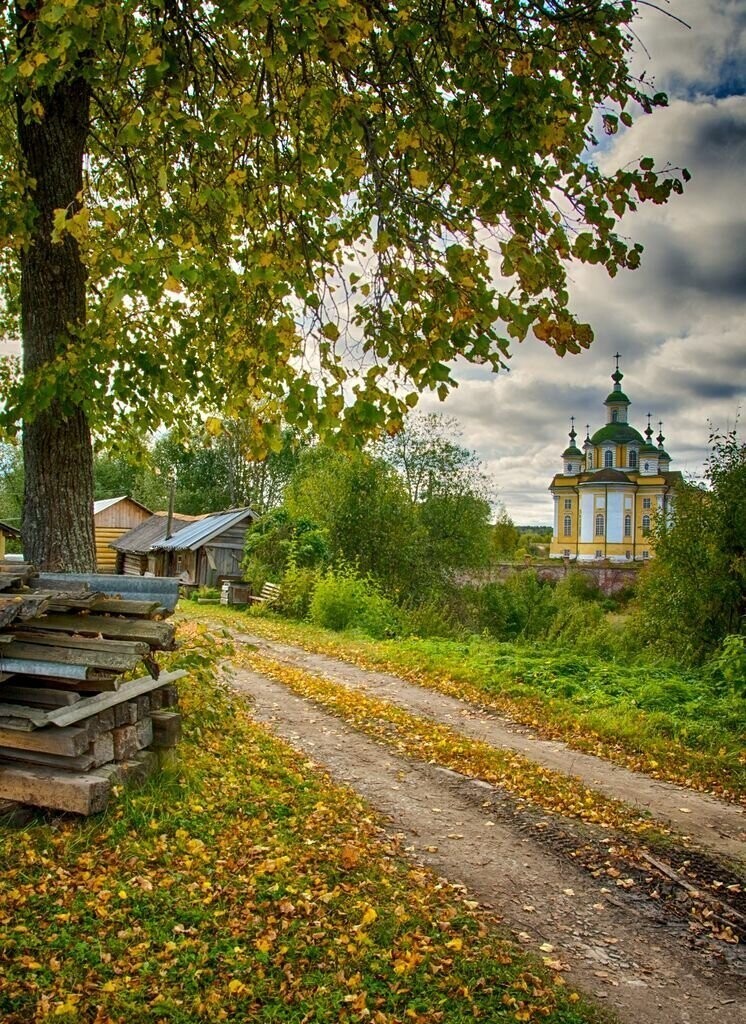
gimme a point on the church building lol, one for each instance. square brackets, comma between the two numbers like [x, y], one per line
[607, 495]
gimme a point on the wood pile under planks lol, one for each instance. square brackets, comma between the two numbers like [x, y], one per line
[70, 726]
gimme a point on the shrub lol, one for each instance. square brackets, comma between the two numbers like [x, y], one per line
[431, 618]
[297, 590]
[729, 664]
[344, 600]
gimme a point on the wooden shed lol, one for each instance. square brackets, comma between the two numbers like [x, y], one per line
[7, 531]
[113, 517]
[209, 550]
[135, 548]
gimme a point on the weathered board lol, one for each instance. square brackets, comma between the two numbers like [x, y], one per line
[51, 787]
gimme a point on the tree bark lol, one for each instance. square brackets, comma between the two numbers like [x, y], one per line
[57, 526]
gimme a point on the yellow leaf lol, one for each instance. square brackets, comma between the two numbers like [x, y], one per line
[419, 178]
[456, 944]
[152, 57]
[172, 285]
[368, 917]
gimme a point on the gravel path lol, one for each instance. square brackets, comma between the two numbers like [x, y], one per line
[614, 950]
[714, 825]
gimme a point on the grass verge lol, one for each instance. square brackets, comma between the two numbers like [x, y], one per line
[650, 718]
[240, 884]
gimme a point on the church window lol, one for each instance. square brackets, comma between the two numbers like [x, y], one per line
[632, 458]
[569, 467]
[614, 415]
[646, 502]
[568, 526]
[568, 503]
[608, 459]
[645, 525]
[647, 466]
[628, 526]
[599, 525]
[646, 554]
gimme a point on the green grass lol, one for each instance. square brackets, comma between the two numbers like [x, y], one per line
[240, 884]
[670, 722]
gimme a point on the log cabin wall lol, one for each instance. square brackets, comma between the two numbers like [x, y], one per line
[112, 522]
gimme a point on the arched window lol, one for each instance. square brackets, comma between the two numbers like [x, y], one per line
[589, 460]
[628, 526]
[632, 458]
[599, 525]
[569, 468]
[608, 459]
[645, 525]
[614, 415]
[647, 466]
[568, 526]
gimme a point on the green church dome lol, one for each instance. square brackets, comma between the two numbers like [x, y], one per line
[572, 453]
[617, 398]
[620, 433]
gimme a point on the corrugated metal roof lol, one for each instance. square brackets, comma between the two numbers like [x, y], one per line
[196, 534]
[103, 503]
[141, 539]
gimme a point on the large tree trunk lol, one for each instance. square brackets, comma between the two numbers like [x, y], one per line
[58, 499]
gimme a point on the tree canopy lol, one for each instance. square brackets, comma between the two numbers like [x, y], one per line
[298, 209]
[693, 594]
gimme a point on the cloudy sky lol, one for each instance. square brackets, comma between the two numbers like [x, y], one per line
[680, 321]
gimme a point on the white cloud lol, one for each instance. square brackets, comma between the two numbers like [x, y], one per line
[679, 320]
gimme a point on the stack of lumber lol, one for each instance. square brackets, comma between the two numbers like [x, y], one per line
[70, 726]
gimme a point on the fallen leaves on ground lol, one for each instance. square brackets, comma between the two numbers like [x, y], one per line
[240, 884]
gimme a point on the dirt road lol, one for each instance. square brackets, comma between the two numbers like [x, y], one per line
[624, 952]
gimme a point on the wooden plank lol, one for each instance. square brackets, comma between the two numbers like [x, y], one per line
[158, 634]
[39, 695]
[68, 742]
[92, 705]
[101, 683]
[13, 715]
[125, 606]
[166, 729]
[83, 643]
[74, 792]
[28, 651]
[53, 669]
[78, 763]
